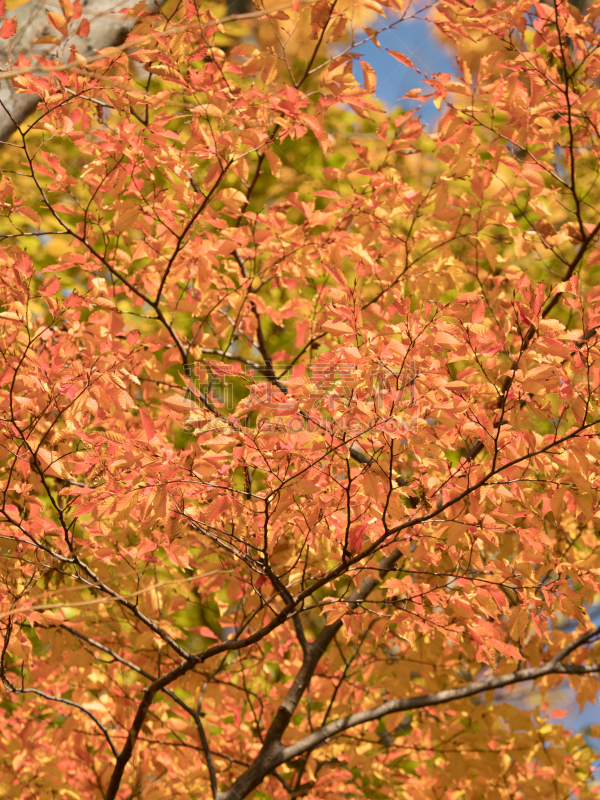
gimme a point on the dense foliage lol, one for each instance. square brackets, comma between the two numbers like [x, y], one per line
[299, 411]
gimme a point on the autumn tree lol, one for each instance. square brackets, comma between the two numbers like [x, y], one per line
[299, 411]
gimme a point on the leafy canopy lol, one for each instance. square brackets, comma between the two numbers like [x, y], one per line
[299, 412]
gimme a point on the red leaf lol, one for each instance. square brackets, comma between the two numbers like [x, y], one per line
[9, 28]
[355, 538]
[148, 426]
[207, 633]
[50, 287]
[559, 713]
[478, 313]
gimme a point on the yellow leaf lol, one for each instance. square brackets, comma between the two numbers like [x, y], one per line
[58, 21]
[178, 403]
[337, 328]
[232, 198]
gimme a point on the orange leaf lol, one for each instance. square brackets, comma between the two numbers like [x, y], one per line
[403, 59]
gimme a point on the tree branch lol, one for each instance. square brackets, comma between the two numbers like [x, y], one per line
[447, 696]
[271, 753]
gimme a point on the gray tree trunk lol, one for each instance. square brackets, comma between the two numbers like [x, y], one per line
[108, 28]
